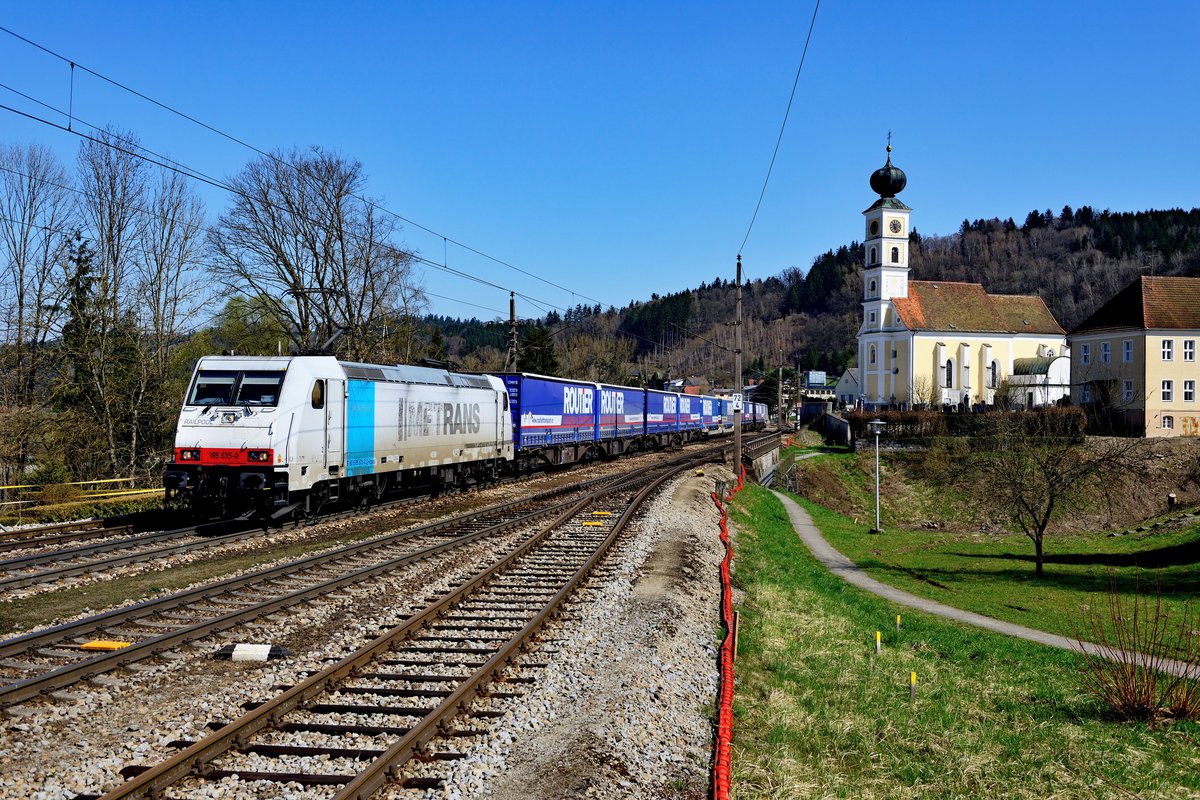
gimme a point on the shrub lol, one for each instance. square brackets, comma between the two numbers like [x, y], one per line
[1139, 661]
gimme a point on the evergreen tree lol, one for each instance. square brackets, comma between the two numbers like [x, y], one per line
[536, 352]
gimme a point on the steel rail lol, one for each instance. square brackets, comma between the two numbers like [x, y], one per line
[68, 674]
[193, 759]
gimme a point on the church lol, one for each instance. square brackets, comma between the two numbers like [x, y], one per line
[940, 343]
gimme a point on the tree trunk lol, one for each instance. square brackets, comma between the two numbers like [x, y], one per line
[1037, 548]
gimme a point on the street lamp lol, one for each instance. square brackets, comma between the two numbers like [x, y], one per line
[877, 426]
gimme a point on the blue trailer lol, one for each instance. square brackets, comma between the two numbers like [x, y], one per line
[554, 420]
[662, 416]
[622, 418]
[691, 420]
[710, 414]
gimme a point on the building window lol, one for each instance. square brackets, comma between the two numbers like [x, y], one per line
[1128, 350]
[893, 354]
[1189, 391]
[994, 375]
[1168, 349]
[1085, 393]
[1127, 391]
[1168, 422]
[871, 358]
[1105, 352]
[1189, 349]
[1168, 391]
[872, 317]
[1085, 354]
[872, 288]
[895, 255]
[949, 373]
[874, 257]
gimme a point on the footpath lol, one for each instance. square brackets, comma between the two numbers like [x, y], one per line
[850, 572]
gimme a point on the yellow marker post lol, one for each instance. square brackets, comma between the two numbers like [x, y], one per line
[912, 687]
[878, 643]
[897, 622]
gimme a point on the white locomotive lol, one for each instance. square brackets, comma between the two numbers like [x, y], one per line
[273, 435]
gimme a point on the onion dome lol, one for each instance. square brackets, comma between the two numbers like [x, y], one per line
[888, 181]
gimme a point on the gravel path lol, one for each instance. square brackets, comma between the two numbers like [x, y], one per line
[850, 572]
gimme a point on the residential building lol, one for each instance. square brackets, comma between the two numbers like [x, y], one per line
[1135, 367]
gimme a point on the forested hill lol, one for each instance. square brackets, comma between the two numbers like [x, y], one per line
[807, 318]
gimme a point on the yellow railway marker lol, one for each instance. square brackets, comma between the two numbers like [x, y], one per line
[593, 524]
[103, 644]
[601, 513]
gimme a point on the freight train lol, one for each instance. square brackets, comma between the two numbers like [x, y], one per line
[273, 436]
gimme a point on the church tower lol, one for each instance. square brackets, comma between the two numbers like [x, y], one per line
[885, 275]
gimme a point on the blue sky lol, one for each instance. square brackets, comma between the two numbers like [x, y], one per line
[618, 149]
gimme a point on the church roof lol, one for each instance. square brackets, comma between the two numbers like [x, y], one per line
[966, 307]
[888, 202]
[1151, 301]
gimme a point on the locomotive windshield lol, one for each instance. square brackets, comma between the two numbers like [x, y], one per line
[233, 388]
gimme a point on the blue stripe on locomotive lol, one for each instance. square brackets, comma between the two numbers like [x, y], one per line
[624, 419]
[360, 427]
[548, 412]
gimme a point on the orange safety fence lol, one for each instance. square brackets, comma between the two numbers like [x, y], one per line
[723, 758]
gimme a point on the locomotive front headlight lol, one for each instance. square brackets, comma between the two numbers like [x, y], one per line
[259, 455]
[189, 455]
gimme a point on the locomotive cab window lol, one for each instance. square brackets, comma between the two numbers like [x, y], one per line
[318, 394]
[231, 388]
[212, 388]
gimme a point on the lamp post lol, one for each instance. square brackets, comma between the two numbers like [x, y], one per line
[876, 428]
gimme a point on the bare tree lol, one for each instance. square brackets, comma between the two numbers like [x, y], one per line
[113, 178]
[1032, 466]
[35, 220]
[301, 236]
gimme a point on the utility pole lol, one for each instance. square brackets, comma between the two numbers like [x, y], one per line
[737, 371]
[510, 359]
[779, 398]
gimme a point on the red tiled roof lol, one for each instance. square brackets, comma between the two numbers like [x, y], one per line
[1151, 301]
[951, 306]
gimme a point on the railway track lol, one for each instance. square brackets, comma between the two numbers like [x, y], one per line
[44, 661]
[398, 706]
[59, 533]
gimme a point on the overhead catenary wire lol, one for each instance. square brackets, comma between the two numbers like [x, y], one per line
[782, 128]
[265, 154]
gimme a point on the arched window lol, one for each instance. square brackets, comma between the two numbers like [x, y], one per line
[872, 288]
[871, 357]
[994, 375]
[949, 373]
[874, 257]
[895, 255]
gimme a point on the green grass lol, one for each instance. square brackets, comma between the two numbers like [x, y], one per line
[993, 574]
[819, 715]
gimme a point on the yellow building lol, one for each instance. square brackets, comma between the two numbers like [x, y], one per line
[937, 343]
[1135, 359]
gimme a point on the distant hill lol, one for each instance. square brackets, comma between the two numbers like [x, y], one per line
[1075, 260]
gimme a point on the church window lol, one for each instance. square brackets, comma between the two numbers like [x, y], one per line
[871, 359]
[949, 373]
[872, 288]
[874, 256]
[994, 375]
[895, 255]
[872, 317]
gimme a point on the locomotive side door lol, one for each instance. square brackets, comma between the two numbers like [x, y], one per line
[335, 421]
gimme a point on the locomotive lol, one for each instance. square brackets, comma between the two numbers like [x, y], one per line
[277, 434]
[272, 436]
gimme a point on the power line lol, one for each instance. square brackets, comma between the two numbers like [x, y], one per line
[230, 137]
[782, 127]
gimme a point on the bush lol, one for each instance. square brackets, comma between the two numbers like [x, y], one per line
[1140, 662]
